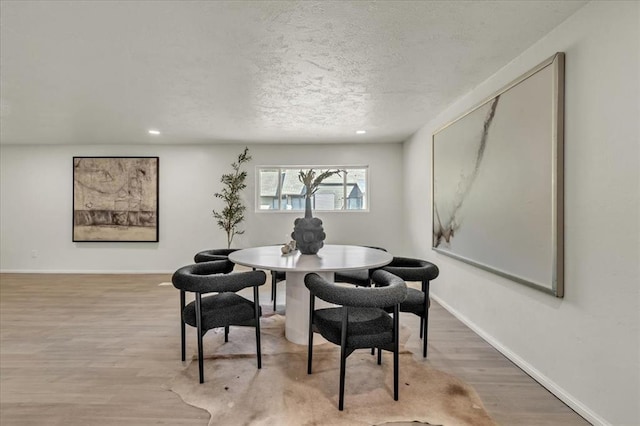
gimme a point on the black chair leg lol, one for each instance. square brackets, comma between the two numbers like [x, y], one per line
[396, 350]
[199, 327]
[310, 353]
[274, 285]
[396, 362]
[343, 365]
[226, 334]
[256, 307]
[310, 348]
[343, 354]
[182, 326]
[425, 321]
[379, 356]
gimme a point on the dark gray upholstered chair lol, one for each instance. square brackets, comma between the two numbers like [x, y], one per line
[213, 254]
[359, 277]
[223, 309]
[360, 322]
[209, 256]
[417, 301]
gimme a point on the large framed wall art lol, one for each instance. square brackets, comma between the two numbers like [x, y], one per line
[115, 199]
[497, 181]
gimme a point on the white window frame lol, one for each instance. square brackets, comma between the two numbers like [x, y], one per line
[344, 209]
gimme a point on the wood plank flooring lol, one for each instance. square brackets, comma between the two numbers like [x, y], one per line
[100, 349]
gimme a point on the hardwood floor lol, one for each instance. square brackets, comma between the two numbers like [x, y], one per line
[100, 349]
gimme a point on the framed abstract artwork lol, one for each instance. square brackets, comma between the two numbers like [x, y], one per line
[115, 199]
[497, 181]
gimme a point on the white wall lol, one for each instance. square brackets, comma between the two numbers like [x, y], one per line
[584, 347]
[36, 204]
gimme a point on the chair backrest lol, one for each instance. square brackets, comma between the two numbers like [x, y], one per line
[394, 291]
[210, 277]
[410, 269]
[213, 254]
[377, 248]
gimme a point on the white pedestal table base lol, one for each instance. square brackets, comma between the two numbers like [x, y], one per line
[297, 308]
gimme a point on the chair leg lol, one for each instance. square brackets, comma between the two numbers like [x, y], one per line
[310, 353]
[256, 307]
[396, 362]
[343, 354]
[274, 288]
[226, 334]
[425, 321]
[343, 364]
[182, 326]
[199, 328]
[310, 347]
[396, 350]
[379, 356]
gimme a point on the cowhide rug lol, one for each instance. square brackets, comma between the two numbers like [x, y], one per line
[235, 392]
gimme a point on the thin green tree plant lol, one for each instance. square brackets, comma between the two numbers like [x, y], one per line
[232, 214]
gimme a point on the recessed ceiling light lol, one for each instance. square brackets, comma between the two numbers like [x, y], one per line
[154, 132]
[361, 132]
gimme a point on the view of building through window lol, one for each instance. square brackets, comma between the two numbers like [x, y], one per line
[280, 189]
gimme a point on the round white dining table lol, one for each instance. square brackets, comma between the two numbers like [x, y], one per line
[330, 259]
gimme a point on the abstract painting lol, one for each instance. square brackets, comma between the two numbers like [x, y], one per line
[115, 199]
[497, 181]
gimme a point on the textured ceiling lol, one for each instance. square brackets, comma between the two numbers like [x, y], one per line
[85, 72]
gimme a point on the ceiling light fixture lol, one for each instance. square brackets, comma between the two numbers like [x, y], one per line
[154, 132]
[361, 132]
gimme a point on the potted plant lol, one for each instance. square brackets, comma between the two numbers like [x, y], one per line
[232, 214]
[308, 232]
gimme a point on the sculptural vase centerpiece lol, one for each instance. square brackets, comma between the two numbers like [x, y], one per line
[308, 232]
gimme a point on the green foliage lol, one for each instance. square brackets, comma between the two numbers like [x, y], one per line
[232, 213]
[312, 182]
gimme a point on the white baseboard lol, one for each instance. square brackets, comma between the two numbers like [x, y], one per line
[75, 271]
[547, 383]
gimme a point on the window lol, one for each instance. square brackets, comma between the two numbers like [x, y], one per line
[279, 189]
